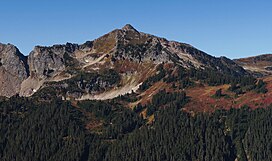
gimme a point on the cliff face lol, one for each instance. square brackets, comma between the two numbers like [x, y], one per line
[13, 70]
[46, 61]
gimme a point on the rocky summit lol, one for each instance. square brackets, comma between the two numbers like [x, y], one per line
[131, 53]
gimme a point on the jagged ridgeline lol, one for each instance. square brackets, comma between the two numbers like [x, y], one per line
[129, 95]
[133, 55]
[259, 66]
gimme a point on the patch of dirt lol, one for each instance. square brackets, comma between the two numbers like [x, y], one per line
[30, 86]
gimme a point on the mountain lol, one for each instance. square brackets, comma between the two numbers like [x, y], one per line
[260, 65]
[129, 95]
[132, 54]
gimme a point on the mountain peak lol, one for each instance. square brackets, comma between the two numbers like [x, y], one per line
[13, 69]
[128, 27]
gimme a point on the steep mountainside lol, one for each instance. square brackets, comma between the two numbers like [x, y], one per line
[13, 70]
[132, 54]
[258, 65]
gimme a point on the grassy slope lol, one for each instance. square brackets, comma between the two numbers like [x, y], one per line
[201, 100]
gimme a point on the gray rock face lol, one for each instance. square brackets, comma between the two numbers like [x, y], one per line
[140, 47]
[47, 61]
[13, 70]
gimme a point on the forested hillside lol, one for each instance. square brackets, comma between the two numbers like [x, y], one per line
[105, 130]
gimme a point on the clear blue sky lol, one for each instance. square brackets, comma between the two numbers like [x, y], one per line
[232, 28]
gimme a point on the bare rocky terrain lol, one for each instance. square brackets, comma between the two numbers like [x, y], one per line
[13, 70]
[258, 65]
[126, 50]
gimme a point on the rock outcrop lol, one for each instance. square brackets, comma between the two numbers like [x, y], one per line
[259, 66]
[47, 61]
[13, 70]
